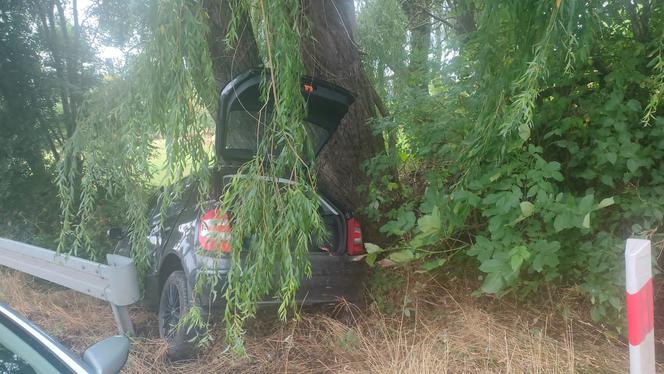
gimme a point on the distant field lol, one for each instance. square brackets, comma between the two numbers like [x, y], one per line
[158, 161]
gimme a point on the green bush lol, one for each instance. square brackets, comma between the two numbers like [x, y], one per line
[553, 205]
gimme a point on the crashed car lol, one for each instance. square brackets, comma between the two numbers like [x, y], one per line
[180, 246]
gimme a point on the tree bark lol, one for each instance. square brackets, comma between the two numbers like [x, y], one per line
[228, 62]
[331, 53]
[47, 18]
[419, 24]
[71, 68]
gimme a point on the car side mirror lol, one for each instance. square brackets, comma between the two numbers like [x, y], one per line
[115, 233]
[108, 356]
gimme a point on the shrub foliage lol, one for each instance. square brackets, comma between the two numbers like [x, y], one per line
[535, 150]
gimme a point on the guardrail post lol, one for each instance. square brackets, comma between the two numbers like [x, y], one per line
[116, 283]
[640, 316]
[122, 320]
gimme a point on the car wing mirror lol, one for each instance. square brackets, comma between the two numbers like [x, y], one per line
[108, 356]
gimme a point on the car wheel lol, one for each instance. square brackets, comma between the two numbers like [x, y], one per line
[175, 303]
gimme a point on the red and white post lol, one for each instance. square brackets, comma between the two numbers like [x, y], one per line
[640, 316]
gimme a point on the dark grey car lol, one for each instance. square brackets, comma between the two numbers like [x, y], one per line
[178, 246]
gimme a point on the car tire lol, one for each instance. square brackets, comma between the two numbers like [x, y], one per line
[175, 302]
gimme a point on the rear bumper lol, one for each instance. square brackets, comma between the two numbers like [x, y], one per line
[333, 278]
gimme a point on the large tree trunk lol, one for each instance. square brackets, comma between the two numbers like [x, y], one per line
[332, 53]
[229, 62]
[419, 24]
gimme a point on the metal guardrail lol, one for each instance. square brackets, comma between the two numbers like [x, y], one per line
[116, 282]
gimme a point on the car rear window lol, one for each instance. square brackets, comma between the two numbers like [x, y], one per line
[245, 130]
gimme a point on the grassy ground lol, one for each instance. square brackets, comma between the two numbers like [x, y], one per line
[447, 331]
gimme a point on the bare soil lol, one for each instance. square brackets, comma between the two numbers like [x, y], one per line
[446, 331]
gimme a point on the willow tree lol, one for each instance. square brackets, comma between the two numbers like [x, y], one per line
[189, 50]
[328, 50]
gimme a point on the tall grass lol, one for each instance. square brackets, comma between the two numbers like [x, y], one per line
[448, 332]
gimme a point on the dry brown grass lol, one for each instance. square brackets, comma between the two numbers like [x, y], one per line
[449, 332]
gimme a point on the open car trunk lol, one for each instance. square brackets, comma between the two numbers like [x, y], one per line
[243, 119]
[243, 116]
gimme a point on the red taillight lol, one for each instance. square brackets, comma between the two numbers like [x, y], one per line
[354, 245]
[214, 231]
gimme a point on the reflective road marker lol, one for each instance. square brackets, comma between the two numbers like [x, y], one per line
[640, 318]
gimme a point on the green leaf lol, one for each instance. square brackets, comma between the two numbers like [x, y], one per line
[607, 180]
[403, 256]
[562, 221]
[634, 105]
[516, 262]
[611, 157]
[586, 203]
[586, 221]
[524, 131]
[404, 223]
[493, 283]
[373, 248]
[492, 266]
[517, 255]
[538, 262]
[606, 203]
[372, 253]
[527, 208]
[430, 224]
[632, 164]
[433, 264]
[371, 258]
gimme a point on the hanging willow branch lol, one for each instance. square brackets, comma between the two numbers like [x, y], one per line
[281, 219]
[274, 223]
[169, 94]
[520, 115]
[510, 97]
[164, 95]
[657, 65]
